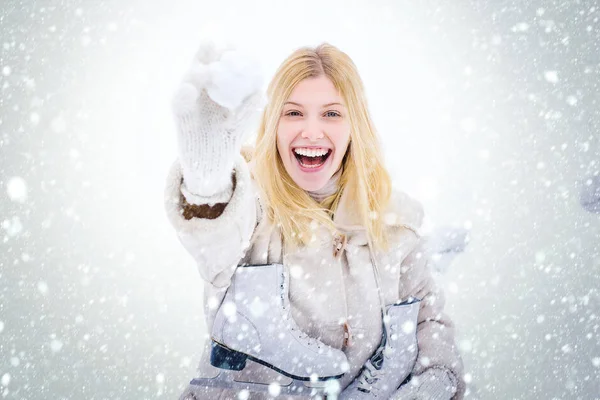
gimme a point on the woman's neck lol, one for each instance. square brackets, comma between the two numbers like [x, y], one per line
[330, 187]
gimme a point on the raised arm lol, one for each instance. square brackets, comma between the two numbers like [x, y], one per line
[210, 198]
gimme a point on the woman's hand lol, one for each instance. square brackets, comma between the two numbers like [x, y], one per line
[216, 104]
[589, 195]
[432, 384]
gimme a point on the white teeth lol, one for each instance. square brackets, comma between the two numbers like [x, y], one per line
[311, 152]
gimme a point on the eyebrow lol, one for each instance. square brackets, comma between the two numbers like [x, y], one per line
[324, 105]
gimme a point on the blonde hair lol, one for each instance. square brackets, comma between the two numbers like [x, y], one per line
[364, 177]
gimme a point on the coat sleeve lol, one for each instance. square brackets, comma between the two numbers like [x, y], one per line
[218, 244]
[435, 330]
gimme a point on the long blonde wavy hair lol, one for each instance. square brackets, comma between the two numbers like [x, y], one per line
[364, 177]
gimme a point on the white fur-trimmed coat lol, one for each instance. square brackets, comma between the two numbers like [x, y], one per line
[318, 277]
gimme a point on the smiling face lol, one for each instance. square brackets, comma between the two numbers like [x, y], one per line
[313, 132]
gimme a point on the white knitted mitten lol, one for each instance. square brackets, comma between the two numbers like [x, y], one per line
[216, 105]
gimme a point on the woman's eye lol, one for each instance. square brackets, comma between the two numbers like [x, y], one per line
[328, 113]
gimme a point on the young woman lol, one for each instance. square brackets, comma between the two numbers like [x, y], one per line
[313, 265]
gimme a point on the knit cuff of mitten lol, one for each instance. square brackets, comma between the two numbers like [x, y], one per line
[436, 383]
[221, 194]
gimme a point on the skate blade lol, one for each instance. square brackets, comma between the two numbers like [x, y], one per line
[286, 386]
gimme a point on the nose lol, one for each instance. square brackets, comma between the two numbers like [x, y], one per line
[312, 131]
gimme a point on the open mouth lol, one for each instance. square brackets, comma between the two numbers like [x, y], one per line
[312, 159]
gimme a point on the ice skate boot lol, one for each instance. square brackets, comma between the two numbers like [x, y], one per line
[395, 358]
[254, 326]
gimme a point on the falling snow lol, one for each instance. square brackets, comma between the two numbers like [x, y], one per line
[42, 287]
[13, 227]
[56, 345]
[488, 112]
[17, 189]
[551, 76]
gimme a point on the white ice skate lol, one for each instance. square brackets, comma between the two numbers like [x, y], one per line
[395, 358]
[254, 326]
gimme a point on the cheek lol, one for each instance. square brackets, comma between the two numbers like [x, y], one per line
[285, 135]
[283, 140]
[340, 137]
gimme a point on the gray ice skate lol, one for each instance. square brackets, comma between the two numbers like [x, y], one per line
[254, 326]
[393, 361]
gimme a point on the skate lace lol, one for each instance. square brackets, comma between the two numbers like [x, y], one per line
[294, 327]
[299, 332]
[303, 336]
[368, 377]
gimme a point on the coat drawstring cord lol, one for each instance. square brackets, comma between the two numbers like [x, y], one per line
[384, 317]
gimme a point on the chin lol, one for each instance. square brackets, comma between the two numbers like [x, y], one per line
[312, 186]
[311, 182]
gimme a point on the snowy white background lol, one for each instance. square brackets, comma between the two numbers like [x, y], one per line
[489, 112]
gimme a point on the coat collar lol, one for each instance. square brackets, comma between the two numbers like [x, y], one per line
[403, 211]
